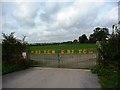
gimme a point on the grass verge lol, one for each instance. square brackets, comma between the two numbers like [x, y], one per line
[15, 67]
[108, 78]
[12, 68]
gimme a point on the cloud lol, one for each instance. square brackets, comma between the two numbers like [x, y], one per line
[25, 14]
[76, 14]
[108, 18]
[57, 21]
[112, 14]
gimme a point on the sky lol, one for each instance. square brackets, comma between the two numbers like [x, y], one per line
[56, 21]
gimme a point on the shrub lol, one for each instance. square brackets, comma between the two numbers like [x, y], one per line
[108, 78]
[109, 52]
[101, 71]
[22, 63]
[8, 69]
[109, 60]
[12, 49]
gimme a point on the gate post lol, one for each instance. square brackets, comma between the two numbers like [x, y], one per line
[58, 60]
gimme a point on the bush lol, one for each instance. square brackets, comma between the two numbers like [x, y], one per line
[109, 51]
[108, 66]
[108, 78]
[12, 49]
[12, 68]
[9, 69]
[101, 71]
[22, 63]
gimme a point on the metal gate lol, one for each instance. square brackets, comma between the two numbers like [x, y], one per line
[65, 60]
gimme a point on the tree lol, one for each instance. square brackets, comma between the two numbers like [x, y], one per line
[83, 39]
[92, 39]
[109, 53]
[24, 38]
[75, 41]
[12, 49]
[100, 33]
[69, 42]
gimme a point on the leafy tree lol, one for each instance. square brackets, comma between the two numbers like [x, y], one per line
[92, 39]
[100, 33]
[12, 49]
[75, 41]
[69, 42]
[83, 39]
[109, 53]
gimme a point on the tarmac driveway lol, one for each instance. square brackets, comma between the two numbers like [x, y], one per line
[38, 77]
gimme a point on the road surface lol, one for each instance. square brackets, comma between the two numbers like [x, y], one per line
[38, 77]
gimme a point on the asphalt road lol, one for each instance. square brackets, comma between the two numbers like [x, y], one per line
[50, 78]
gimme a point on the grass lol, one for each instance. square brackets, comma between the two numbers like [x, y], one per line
[9, 69]
[108, 78]
[64, 47]
[15, 67]
[12, 68]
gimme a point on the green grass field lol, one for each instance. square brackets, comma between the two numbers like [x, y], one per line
[64, 47]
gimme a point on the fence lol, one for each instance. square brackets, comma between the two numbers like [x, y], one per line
[65, 60]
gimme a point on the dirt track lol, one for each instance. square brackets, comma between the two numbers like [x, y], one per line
[51, 78]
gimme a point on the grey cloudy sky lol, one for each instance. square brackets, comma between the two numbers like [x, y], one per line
[47, 21]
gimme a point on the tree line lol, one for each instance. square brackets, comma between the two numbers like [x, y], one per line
[98, 34]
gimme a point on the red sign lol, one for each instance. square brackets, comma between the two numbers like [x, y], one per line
[24, 55]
